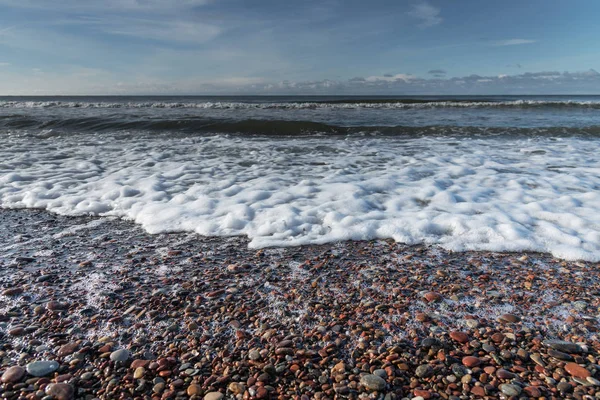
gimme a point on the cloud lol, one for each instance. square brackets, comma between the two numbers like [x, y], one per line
[78, 80]
[105, 5]
[164, 31]
[513, 42]
[427, 14]
[438, 73]
[4, 64]
[389, 78]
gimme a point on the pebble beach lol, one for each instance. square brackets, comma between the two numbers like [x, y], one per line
[96, 308]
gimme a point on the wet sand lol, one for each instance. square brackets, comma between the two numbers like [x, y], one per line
[126, 314]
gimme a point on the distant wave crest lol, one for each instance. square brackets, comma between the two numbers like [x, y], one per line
[337, 104]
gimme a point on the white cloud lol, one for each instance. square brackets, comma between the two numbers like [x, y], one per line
[427, 14]
[105, 5]
[390, 78]
[513, 42]
[4, 64]
[162, 30]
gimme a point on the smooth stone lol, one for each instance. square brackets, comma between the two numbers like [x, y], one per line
[67, 349]
[159, 387]
[380, 373]
[504, 374]
[532, 391]
[237, 388]
[460, 337]
[140, 363]
[254, 355]
[119, 355]
[564, 387]
[86, 376]
[537, 358]
[373, 382]
[560, 355]
[13, 291]
[470, 361]
[139, 372]
[430, 342]
[60, 391]
[214, 396]
[194, 390]
[577, 370]
[511, 318]
[564, 346]
[459, 370]
[580, 305]
[510, 389]
[593, 381]
[488, 348]
[432, 297]
[424, 371]
[13, 374]
[472, 323]
[41, 368]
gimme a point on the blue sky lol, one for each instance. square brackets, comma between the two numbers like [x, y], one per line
[274, 46]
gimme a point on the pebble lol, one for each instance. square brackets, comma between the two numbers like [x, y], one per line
[566, 347]
[510, 390]
[13, 374]
[432, 297]
[60, 391]
[214, 396]
[424, 371]
[511, 318]
[237, 388]
[12, 291]
[470, 361]
[139, 372]
[537, 358]
[194, 390]
[564, 387]
[460, 337]
[373, 382]
[67, 349]
[593, 381]
[41, 368]
[121, 355]
[577, 370]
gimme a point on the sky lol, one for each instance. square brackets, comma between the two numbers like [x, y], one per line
[120, 47]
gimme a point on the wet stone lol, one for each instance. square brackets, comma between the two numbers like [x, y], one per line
[510, 389]
[563, 346]
[424, 371]
[560, 355]
[214, 396]
[41, 368]
[373, 382]
[564, 387]
[119, 355]
[577, 370]
[60, 391]
[13, 374]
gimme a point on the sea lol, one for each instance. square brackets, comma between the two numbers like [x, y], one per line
[489, 173]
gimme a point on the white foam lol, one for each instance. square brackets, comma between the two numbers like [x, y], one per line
[231, 105]
[477, 194]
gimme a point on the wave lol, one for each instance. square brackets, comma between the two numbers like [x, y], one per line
[296, 105]
[259, 127]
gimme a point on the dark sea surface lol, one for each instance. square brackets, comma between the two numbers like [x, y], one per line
[464, 172]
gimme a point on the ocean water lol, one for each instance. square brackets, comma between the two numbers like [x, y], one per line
[501, 173]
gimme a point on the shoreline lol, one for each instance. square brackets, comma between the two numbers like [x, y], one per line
[127, 314]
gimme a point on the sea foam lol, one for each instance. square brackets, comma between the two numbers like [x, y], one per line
[500, 194]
